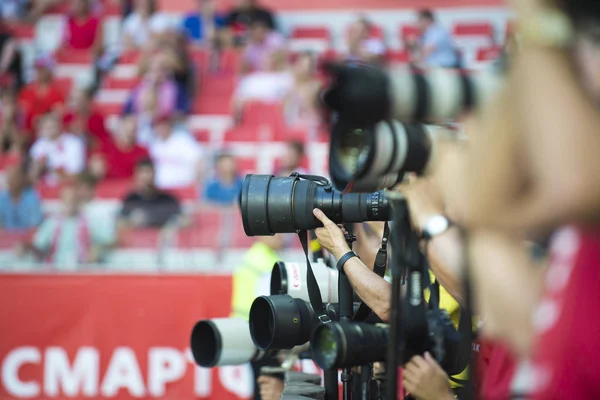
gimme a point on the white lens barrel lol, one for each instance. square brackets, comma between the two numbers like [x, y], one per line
[230, 344]
[297, 287]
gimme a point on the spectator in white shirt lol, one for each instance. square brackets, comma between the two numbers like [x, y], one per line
[144, 24]
[56, 154]
[362, 46]
[176, 155]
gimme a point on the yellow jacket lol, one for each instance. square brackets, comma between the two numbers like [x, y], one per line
[252, 278]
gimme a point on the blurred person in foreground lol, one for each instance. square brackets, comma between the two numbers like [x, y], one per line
[20, 205]
[177, 156]
[513, 185]
[56, 155]
[225, 187]
[204, 24]
[117, 159]
[243, 15]
[252, 279]
[361, 46]
[147, 206]
[43, 95]
[262, 41]
[67, 239]
[434, 47]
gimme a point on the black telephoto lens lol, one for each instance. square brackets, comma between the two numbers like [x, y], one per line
[346, 344]
[282, 322]
[272, 205]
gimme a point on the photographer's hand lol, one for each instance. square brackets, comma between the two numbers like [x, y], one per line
[424, 379]
[331, 236]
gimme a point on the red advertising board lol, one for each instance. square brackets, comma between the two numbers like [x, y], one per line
[111, 337]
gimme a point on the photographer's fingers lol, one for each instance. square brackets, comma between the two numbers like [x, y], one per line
[320, 215]
[433, 362]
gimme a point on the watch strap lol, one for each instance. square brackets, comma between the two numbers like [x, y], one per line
[343, 259]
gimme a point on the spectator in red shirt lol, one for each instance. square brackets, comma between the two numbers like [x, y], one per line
[83, 30]
[118, 160]
[81, 119]
[42, 95]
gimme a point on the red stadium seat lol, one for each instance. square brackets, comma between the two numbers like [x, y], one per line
[257, 113]
[112, 82]
[246, 165]
[10, 239]
[198, 56]
[202, 135]
[21, 31]
[409, 32]
[113, 188]
[109, 108]
[398, 57]
[65, 84]
[488, 54]
[147, 238]
[130, 57]
[484, 29]
[283, 134]
[69, 56]
[230, 60]
[310, 32]
[242, 134]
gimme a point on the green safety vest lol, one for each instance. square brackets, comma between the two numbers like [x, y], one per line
[247, 278]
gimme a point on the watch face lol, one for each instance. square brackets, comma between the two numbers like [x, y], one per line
[437, 225]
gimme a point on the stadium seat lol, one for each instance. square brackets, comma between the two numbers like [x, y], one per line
[242, 134]
[114, 82]
[257, 113]
[109, 108]
[10, 239]
[202, 135]
[185, 193]
[398, 57]
[147, 238]
[488, 54]
[310, 38]
[246, 165]
[69, 56]
[130, 57]
[230, 61]
[408, 33]
[65, 84]
[199, 57]
[21, 31]
[468, 36]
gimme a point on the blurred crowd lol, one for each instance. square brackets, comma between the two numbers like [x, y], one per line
[56, 137]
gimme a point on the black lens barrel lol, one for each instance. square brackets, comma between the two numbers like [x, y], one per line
[357, 343]
[272, 205]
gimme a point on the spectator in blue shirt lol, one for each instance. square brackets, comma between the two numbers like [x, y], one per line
[20, 206]
[201, 26]
[225, 187]
[435, 47]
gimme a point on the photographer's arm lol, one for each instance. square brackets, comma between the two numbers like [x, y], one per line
[369, 286]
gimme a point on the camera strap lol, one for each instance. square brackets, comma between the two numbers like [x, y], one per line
[379, 267]
[314, 294]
